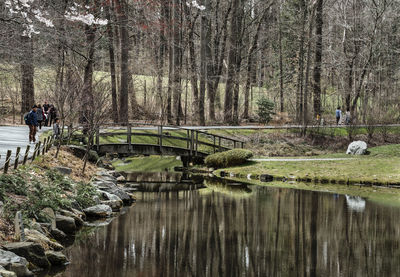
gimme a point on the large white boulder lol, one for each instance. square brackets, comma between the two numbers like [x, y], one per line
[357, 148]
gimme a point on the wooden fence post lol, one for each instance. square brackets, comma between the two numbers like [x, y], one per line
[44, 146]
[242, 144]
[17, 157]
[28, 147]
[7, 164]
[38, 149]
[34, 152]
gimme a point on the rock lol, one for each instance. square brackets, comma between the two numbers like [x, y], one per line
[56, 258]
[109, 196]
[113, 189]
[66, 224]
[58, 234]
[6, 273]
[266, 178]
[357, 148]
[63, 170]
[114, 205]
[12, 262]
[45, 242]
[98, 211]
[50, 215]
[78, 220]
[31, 251]
[121, 179]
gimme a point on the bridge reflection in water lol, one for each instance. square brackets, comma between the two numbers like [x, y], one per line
[239, 230]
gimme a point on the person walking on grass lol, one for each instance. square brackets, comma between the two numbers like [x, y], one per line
[31, 121]
[40, 116]
[338, 115]
[56, 128]
[348, 118]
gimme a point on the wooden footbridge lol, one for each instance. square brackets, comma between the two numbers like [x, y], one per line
[161, 140]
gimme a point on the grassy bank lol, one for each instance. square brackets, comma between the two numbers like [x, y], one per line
[381, 166]
[36, 186]
[147, 164]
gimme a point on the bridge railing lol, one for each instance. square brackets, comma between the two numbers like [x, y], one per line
[196, 140]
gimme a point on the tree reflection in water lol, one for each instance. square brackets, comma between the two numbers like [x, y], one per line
[269, 232]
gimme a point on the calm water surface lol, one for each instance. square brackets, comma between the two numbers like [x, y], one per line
[240, 230]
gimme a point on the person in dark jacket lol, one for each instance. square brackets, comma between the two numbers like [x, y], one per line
[32, 123]
[40, 116]
[56, 128]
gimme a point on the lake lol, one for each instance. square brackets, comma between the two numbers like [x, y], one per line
[233, 229]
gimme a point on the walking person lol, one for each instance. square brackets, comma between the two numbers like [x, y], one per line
[338, 115]
[56, 129]
[53, 115]
[40, 116]
[31, 121]
[348, 116]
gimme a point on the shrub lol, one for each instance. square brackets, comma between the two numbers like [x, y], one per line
[265, 109]
[58, 179]
[85, 194]
[229, 158]
[44, 195]
[13, 184]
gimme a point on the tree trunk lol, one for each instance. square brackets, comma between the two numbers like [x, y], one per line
[280, 62]
[204, 39]
[300, 78]
[305, 99]
[125, 72]
[111, 52]
[87, 96]
[177, 68]
[27, 71]
[250, 65]
[318, 58]
[160, 58]
[232, 62]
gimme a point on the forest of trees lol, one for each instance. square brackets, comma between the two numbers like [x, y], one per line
[204, 61]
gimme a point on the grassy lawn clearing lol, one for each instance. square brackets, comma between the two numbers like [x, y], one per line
[147, 164]
[382, 165]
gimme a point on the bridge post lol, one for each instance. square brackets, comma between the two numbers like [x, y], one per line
[197, 142]
[188, 139]
[214, 145]
[160, 134]
[242, 144]
[129, 137]
[191, 142]
[234, 144]
[219, 144]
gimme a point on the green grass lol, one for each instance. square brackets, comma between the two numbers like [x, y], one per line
[147, 164]
[382, 165]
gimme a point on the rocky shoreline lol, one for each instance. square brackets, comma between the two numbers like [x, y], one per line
[40, 248]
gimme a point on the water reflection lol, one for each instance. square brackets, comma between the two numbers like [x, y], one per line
[270, 232]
